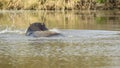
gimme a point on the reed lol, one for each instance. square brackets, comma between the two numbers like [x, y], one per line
[52, 4]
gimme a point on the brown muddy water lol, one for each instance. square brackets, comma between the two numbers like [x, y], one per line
[90, 39]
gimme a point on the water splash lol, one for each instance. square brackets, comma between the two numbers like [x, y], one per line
[9, 30]
[55, 30]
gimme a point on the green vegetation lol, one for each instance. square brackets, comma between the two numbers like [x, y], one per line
[101, 1]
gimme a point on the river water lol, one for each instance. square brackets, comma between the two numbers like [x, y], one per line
[89, 39]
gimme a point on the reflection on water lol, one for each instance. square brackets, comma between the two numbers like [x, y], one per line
[108, 20]
[93, 48]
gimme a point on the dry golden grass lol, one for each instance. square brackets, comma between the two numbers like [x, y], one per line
[46, 4]
[35, 4]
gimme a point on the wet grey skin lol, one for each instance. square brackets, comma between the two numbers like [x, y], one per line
[38, 29]
[44, 34]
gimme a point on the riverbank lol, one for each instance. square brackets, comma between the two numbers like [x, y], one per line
[58, 5]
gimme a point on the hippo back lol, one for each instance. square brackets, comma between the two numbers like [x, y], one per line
[37, 26]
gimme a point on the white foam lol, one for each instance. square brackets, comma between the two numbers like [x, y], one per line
[11, 31]
[55, 30]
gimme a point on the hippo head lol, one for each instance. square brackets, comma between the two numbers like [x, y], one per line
[37, 26]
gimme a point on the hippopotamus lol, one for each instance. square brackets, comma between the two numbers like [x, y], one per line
[38, 29]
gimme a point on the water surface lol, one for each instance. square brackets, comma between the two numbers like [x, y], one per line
[90, 39]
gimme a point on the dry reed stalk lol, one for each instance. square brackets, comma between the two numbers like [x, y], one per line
[55, 4]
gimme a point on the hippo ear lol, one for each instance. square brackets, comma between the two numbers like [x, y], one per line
[43, 23]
